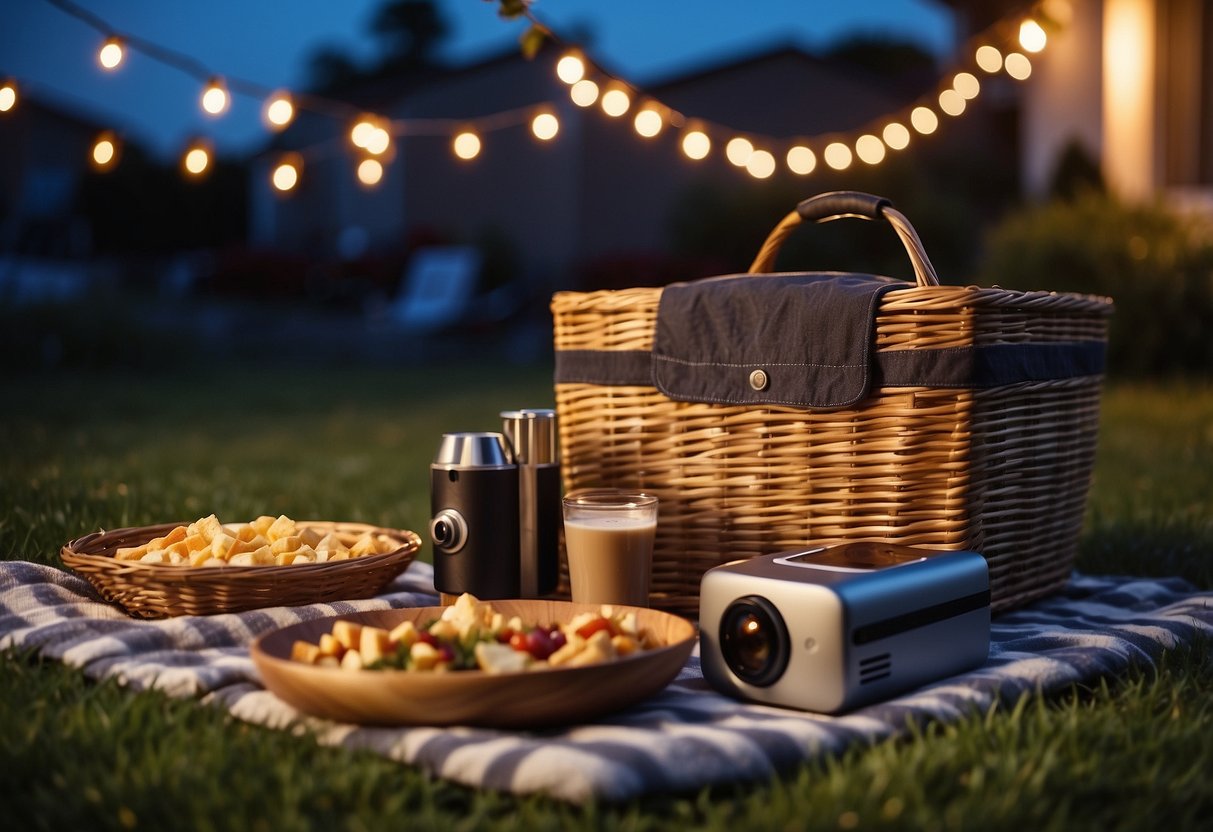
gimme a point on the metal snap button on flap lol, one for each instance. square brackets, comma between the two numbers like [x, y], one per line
[759, 379]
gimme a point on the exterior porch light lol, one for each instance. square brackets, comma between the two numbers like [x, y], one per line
[1031, 36]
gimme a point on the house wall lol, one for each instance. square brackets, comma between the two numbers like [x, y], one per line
[1063, 101]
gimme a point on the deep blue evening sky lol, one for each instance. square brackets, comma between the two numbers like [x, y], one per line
[270, 42]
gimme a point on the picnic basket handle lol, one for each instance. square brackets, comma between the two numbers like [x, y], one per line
[836, 205]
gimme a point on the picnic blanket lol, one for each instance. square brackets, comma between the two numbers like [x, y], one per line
[684, 738]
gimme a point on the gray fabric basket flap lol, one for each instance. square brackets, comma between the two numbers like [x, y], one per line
[800, 339]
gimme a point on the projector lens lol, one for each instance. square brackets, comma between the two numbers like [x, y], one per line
[754, 640]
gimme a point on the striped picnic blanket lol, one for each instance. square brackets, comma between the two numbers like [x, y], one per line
[686, 737]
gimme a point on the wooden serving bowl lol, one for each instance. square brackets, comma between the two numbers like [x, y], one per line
[527, 699]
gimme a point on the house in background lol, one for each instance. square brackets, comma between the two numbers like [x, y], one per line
[1129, 81]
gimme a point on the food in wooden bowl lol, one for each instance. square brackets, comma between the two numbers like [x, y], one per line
[518, 692]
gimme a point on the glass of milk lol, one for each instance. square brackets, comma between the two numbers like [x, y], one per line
[608, 536]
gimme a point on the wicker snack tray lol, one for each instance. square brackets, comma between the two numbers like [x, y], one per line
[151, 590]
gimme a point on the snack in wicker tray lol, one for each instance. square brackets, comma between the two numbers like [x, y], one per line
[266, 541]
[471, 635]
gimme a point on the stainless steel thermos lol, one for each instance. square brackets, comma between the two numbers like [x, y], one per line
[495, 509]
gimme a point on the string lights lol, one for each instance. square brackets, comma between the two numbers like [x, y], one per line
[373, 136]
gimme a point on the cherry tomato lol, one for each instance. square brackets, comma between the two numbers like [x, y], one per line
[590, 627]
[519, 642]
[504, 635]
[426, 638]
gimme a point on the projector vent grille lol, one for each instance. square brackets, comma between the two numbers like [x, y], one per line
[874, 668]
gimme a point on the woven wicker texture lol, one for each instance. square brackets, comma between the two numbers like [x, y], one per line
[1003, 471]
[148, 590]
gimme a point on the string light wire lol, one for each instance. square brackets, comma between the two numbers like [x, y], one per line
[744, 149]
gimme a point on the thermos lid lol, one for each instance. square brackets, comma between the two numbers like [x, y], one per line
[473, 450]
[533, 436]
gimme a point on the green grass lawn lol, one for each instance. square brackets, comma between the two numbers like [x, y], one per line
[118, 448]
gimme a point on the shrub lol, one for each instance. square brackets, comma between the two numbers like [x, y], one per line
[1155, 264]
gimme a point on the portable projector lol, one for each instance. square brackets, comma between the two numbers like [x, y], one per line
[832, 628]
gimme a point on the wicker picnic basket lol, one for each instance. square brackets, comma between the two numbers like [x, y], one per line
[975, 428]
[153, 590]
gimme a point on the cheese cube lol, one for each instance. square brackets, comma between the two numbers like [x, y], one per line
[404, 633]
[302, 651]
[282, 527]
[374, 644]
[492, 657]
[352, 660]
[348, 633]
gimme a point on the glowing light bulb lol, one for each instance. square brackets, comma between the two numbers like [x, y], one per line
[696, 144]
[648, 122]
[870, 149]
[286, 174]
[215, 97]
[370, 172]
[105, 151]
[760, 165]
[924, 120]
[1031, 36]
[196, 160]
[279, 110]
[1018, 66]
[570, 68]
[378, 140]
[545, 126]
[967, 85]
[584, 92]
[896, 136]
[989, 59]
[8, 96]
[466, 145]
[361, 132]
[801, 160]
[838, 156]
[615, 102]
[111, 53]
[951, 102]
[738, 151]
